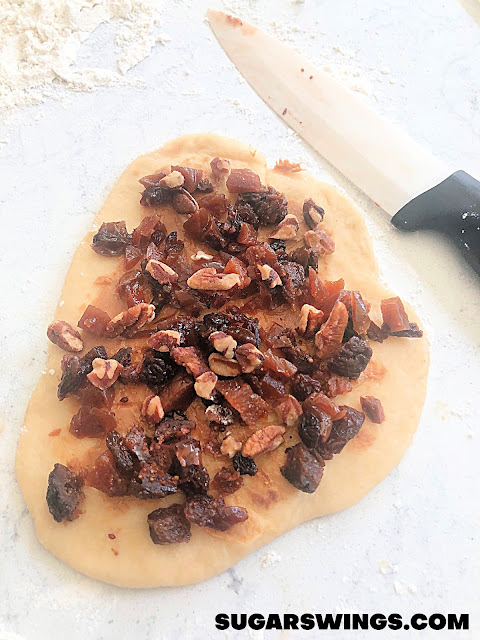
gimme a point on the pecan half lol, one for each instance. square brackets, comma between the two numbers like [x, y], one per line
[226, 367]
[271, 277]
[289, 410]
[230, 446]
[184, 203]
[223, 343]
[173, 180]
[330, 336]
[201, 255]
[205, 384]
[104, 373]
[310, 320]
[312, 213]
[287, 229]
[152, 409]
[161, 272]
[208, 279]
[249, 357]
[263, 440]
[220, 167]
[164, 341]
[192, 359]
[65, 336]
[130, 321]
[319, 239]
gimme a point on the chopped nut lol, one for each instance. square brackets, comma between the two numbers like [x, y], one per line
[219, 415]
[65, 336]
[310, 320]
[191, 358]
[104, 373]
[312, 213]
[269, 275]
[184, 203]
[287, 229]
[289, 410]
[130, 321]
[230, 446]
[263, 440]
[205, 384]
[161, 272]
[172, 180]
[330, 336]
[220, 167]
[201, 255]
[164, 341]
[209, 280]
[249, 357]
[319, 239]
[152, 409]
[225, 367]
[223, 343]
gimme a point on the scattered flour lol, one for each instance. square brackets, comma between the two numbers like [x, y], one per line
[270, 558]
[385, 567]
[40, 43]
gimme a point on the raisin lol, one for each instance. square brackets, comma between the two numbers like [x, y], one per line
[314, 428]
[206, 511]
[173, 246]
[168, 525]
[373, 409]
[227, 481]
[244, 465]
[111, 239]
[91, 422]
[302, 468]
[301, 359]
[157, 369]
[279, 246]
[343, 430]
[351, 359]
[270, 206]
[64, 493]
[123, 356]
[303, 386]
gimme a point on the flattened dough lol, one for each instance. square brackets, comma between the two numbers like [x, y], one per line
[274, 506]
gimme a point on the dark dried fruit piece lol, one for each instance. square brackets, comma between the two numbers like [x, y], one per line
[153, 196]
[111, 239]
[244, 465]
[314, 429]
[293, 281]
[178, 394]
[352, 358]
[376, 333]
[270, 206]
[157, 369]
[373, 409]
[193, 480]
[151, 482]
[394, 314]
[227, 481]
[302, 468]
[64, 493]
[343, 430]
[122, 458]
[168, 525]
[303, 386]
[143, 234]
[94, 320]
[174, 426]
[76, 370]
[243, 181]
[105, 477]
[413, 332]
[205, 511]
[123, 356]
[91, 422]
[240, 396]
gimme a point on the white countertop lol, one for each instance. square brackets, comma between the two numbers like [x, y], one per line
[412, 544]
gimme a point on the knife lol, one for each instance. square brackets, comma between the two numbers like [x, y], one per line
[411, 185]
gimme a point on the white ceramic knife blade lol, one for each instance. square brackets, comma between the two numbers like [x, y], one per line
[374, 154]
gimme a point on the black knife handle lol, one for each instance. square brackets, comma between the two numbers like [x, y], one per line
[452, 207]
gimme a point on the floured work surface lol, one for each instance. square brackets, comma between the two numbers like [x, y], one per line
[230, 323]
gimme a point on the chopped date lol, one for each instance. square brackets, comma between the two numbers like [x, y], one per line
[240, 396]
[394, 314]
[278, 337]
[121, 455]
[104, 476]
[243, 181]
[314, 428]
[227, 481]
[179, 393]
[192, 177]
[359, 313]
[168, 525]
[91, 422]
[76, 370]
[302, 468]
[376, 333]
[245, 465]
[293, 281]
[64, 493]
[272, 389]
[111, 239]
[318, 403]
[193, 480]
[302, 360]
[94, 320]
[373, 409]
[343, 430]
[303, 386]
[351, 359]
[150, 225]
[280, 367]
[307, 258]
[95, 397]
[206, 511]
[413, 332]
[173, 427]
[153, 196]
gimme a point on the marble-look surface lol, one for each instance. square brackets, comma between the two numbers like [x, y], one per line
[412, 544]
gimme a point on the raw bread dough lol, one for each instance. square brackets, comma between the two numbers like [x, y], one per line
[397, 375]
